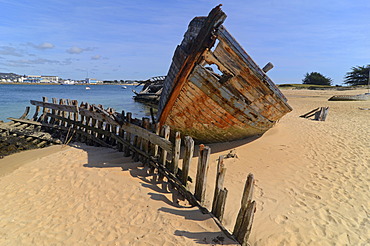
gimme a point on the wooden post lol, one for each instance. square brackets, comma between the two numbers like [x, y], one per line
[135, 155]
[112, 129]
[188, 155]
[99, 125]
[220, 205]
[157, 132]
[145, 143]
[54, 112]
[82, 121]
[34, 118]
[163, 158]
[202, 170]
[166, 134]
[76, 119]
[325, 113]
[219, 197]
[89, 140]
[68, 114]
[244, 220]
[322, 114]
[246, 227]
[45, 110]
[24, 115]
[176, 154]
[267, 67]
[128, 135]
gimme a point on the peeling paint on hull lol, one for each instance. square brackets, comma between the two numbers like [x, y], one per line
[237, 102]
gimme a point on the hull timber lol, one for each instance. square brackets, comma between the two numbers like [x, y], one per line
[239, 102]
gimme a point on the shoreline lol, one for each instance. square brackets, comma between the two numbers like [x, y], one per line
[10, 83]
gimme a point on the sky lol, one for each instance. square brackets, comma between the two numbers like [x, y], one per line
[124, 40]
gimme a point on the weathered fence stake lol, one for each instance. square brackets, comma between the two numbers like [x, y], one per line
[176, 154]
[188, 155]
[219, 197]
[244, 220]
[202, 171]
[128, 135]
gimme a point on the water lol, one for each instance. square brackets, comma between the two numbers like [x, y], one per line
[15, 98]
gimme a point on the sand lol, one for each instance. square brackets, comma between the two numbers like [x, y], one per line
[312, 188]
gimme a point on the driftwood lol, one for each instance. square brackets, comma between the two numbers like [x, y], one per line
[319, 114]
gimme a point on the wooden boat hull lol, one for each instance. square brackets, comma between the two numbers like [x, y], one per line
[238, 102]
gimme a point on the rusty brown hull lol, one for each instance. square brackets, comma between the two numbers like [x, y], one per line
[236, 102]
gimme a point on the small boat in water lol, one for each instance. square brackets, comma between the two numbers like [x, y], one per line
[124, 87]
[236, 101]
[87, 88]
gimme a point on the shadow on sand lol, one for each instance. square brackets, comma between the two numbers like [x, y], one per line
[160, 191]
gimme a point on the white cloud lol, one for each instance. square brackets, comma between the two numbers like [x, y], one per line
[10, 51]
[45, 45]
[78, 50]
[96, 57]
[75, 50]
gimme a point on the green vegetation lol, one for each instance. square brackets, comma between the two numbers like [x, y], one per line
[358, 76]
[306, 86]
[315, 78]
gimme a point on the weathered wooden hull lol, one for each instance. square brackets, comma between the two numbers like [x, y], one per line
[239, 102]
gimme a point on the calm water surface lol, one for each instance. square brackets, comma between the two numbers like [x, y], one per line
[15, 98]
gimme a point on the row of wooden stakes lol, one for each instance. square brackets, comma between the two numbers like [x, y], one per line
[150, 144]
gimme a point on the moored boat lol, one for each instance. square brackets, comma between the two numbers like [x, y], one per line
[236, 101]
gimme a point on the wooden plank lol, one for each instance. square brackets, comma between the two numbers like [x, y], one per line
[26, 112]
[155, 147]
[309, 114]
[128, 134]
[220, 204]
[53, 111]
[246, 226]
[45, 110]
[188, 155]
[246, 199]
[34, 117]
[61, 107]
[203, 40]
[321, 114]
[202, 171]
[220, 176]
[145, 143]
[227, 39]
[166, 135]
[325, 113]
[103, 116]
[58, 127]
[176, 153]
[150, 136]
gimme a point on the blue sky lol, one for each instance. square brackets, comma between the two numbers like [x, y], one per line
[118, 39]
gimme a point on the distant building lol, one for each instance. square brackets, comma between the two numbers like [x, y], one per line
[93, 81]
[32, 79]
[49, 79]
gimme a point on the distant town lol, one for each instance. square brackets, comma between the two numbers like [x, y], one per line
[29, 79]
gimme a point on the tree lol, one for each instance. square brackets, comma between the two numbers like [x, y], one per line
[358, 76]
[316, 78]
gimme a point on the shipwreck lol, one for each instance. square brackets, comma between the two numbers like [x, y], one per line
[236, 102]
[151, 91]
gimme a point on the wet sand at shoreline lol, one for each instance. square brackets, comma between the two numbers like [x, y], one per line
[312, 184]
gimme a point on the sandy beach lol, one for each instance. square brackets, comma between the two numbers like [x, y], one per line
[312, 188]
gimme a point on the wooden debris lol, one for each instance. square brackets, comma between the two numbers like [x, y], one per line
[319, 114]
